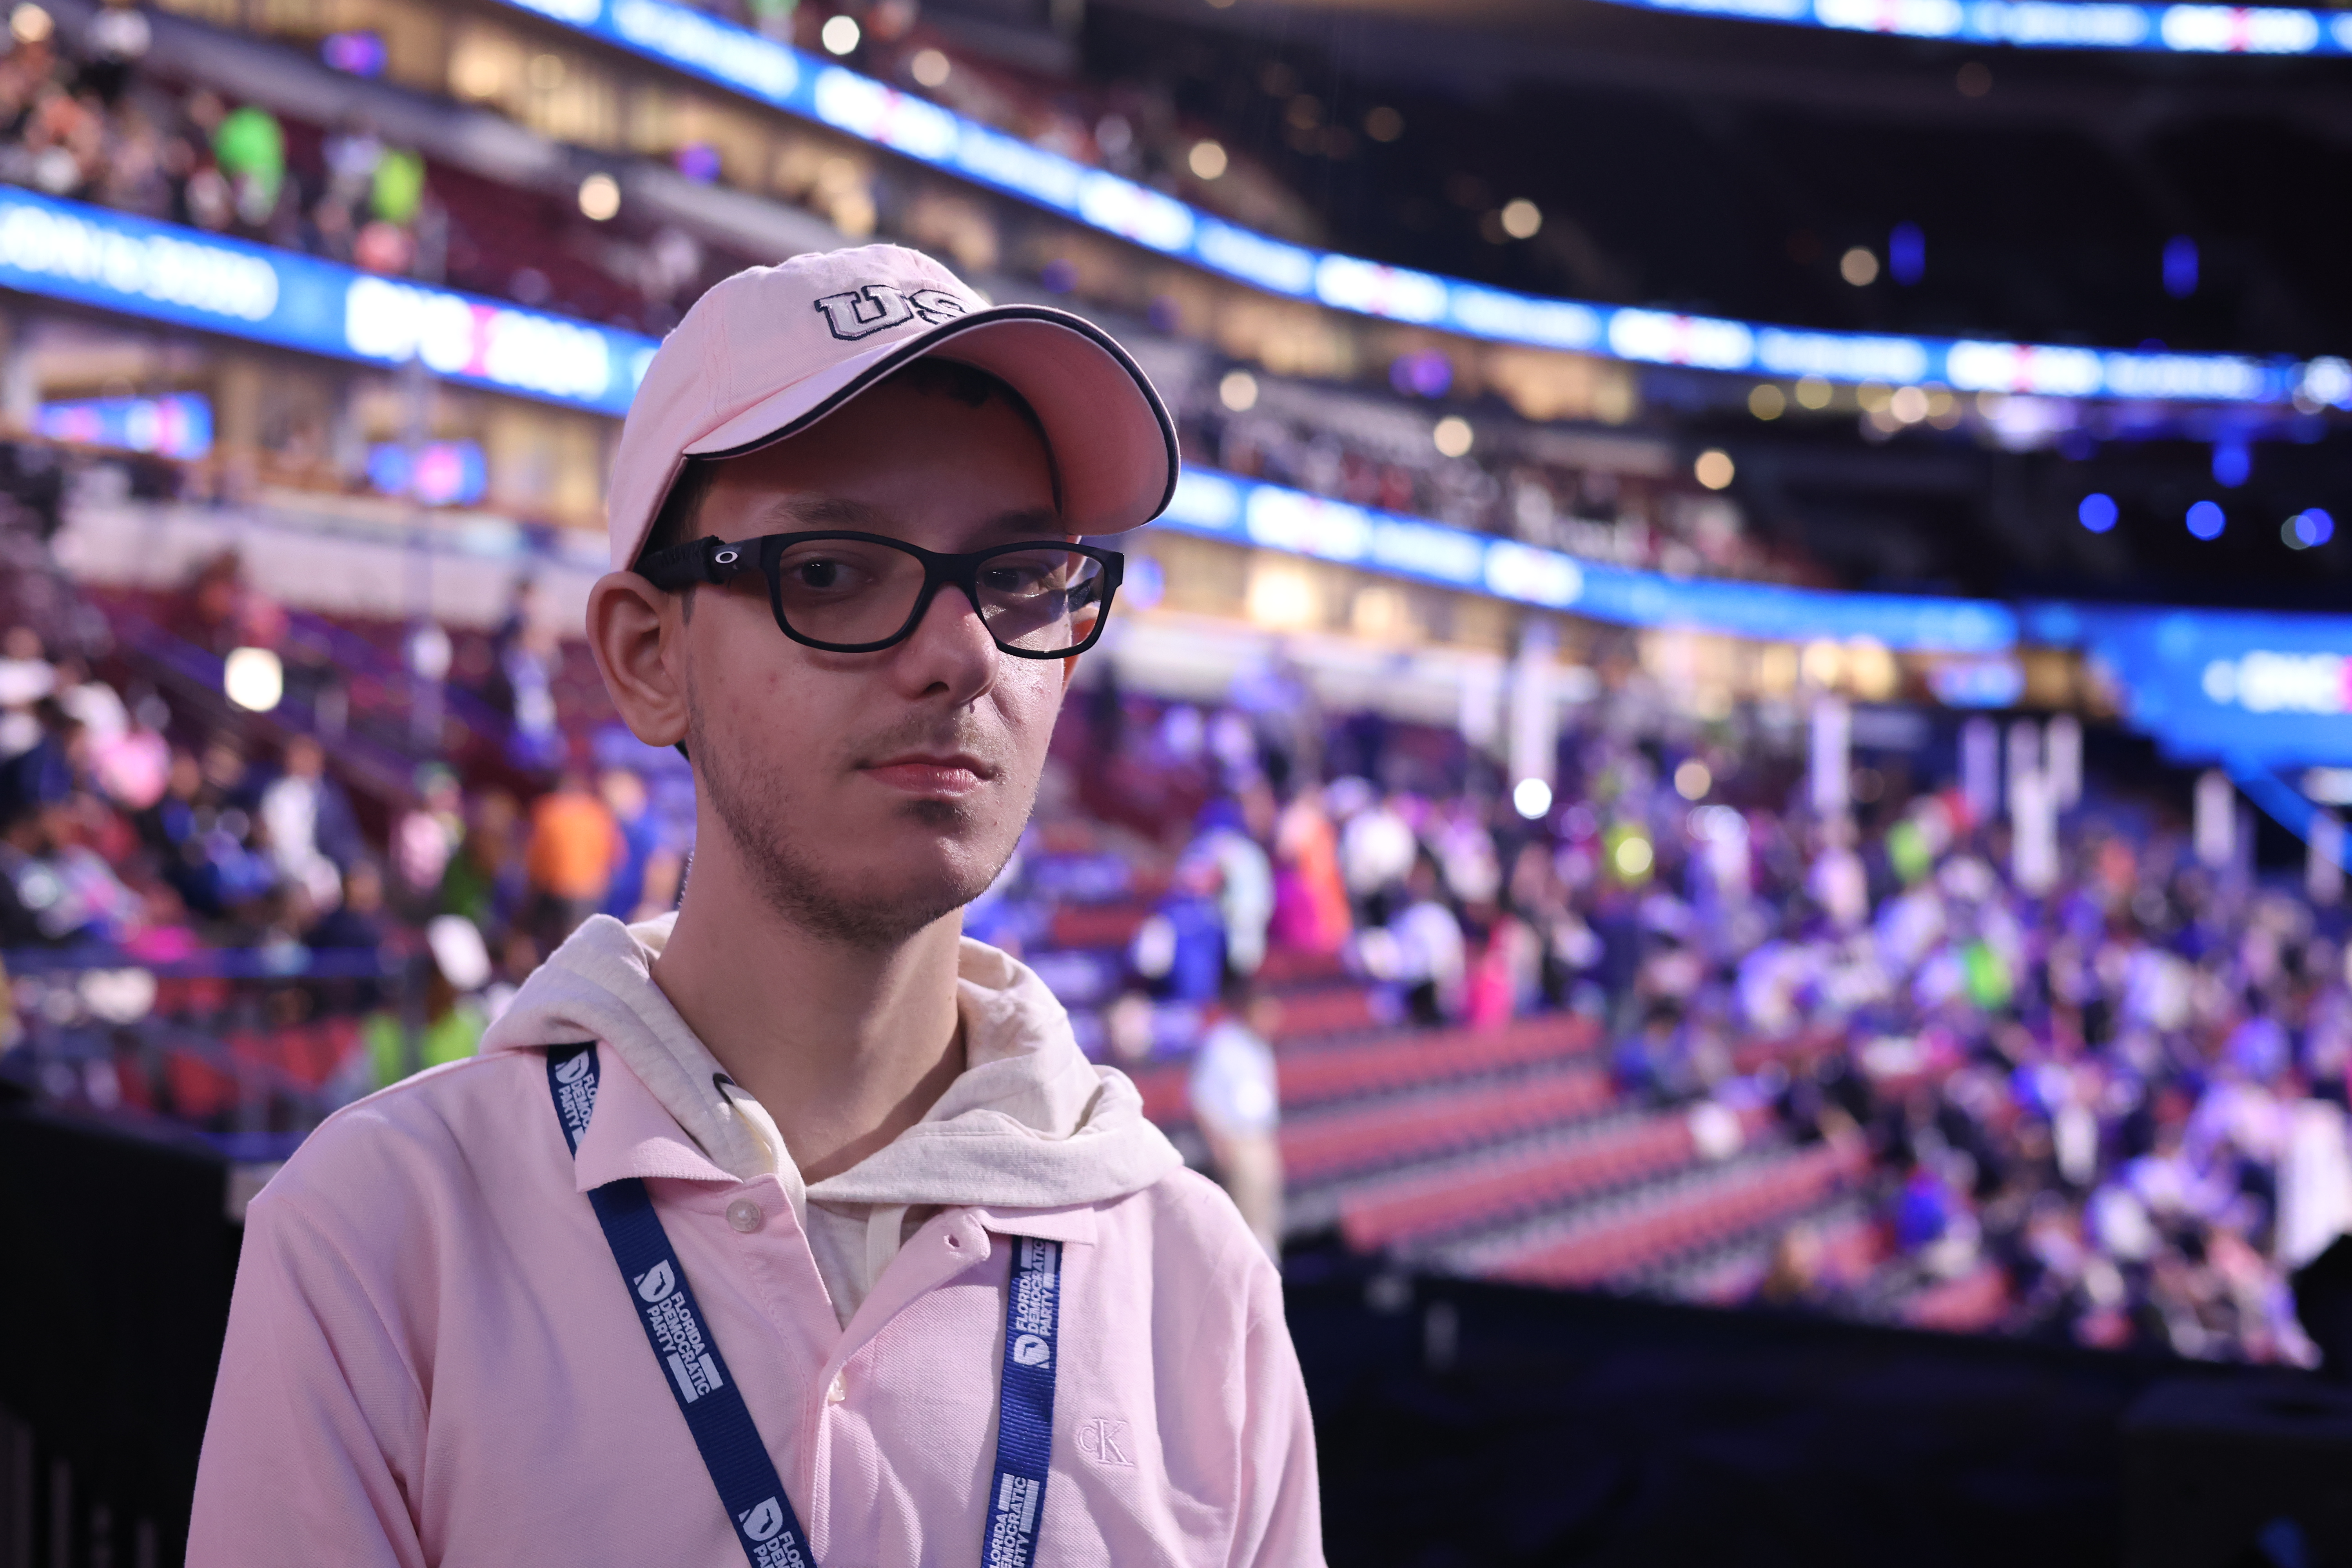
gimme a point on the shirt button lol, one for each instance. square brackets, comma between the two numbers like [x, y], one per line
[745, 1216]
[838, 1391]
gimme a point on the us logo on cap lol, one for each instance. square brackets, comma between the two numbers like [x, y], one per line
[864, 311]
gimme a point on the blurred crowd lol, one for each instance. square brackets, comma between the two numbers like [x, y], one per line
[2114, 1110]
[1503, 476]
[98, 122]
[196, 839]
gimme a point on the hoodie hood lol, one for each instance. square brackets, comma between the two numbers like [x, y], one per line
[1029, 1123]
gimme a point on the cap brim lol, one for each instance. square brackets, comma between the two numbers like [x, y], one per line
[1113, 445]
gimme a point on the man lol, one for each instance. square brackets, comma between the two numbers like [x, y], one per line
[311, 831]
[920, 1282]
[575, 849]
[646, 882]
[1236, 1100]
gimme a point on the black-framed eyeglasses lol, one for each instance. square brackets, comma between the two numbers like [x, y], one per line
[860, 593]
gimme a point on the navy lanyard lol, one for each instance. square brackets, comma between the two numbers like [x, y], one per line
[722, 1424]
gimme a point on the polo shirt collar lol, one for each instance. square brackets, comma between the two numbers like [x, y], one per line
[632, 1133]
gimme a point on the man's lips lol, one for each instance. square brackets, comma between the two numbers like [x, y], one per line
[931, 772]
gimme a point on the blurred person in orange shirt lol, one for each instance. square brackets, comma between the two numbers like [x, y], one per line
[1312, 910]
[575, 846]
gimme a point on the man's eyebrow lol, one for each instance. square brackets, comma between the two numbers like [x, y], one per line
[1027, 522]
[800, 512]
[796, 513]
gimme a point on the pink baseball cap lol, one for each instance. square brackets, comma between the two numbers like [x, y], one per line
[772, 349]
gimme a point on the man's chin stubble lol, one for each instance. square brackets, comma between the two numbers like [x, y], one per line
[798, 891]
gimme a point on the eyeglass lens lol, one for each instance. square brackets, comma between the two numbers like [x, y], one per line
[1039, 599]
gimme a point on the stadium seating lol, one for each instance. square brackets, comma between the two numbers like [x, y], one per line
[1681, 1219]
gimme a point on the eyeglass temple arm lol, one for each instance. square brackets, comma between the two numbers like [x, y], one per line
[710, 560]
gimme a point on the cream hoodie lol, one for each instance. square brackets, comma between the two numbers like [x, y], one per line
[1029, 1123]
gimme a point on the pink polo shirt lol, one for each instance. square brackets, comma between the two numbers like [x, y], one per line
[432, 1359]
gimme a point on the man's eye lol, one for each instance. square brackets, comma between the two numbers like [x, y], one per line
[820, 573]
[1017, 579]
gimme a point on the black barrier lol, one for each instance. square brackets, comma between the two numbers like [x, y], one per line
[1465, 1423]
[113, 1300]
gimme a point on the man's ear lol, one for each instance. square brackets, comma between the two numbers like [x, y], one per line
[637, 634]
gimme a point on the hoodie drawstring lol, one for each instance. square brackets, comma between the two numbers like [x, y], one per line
[885, 1224]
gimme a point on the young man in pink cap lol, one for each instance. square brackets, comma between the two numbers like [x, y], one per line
[793, 1228]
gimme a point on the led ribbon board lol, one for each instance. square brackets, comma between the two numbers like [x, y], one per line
[2265, 689]
[160, 272]
[1221, 506]
[800, 84]
[2054, 24]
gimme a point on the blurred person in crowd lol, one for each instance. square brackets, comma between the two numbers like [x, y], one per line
[1376, 851]
[1432, 958]
[426, 836]
[486, 882]
[645, 882]
[447, 1022]
[219, 609]
[35, 907]
[1458, 837]
[44, 771]
[312, 832]
[355, 920]
[132, 766]
[1310, 896]
[1245, 882]
[1236, 1103]
[805, 1098]
[97, 706]
[571, 854]
[26, 678]
[1180, 950]
[525, 652]
[88, 841]
[1503, 978]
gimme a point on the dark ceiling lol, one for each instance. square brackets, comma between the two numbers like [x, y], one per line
[1725, 167]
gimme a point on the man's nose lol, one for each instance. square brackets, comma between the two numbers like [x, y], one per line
[949, 647]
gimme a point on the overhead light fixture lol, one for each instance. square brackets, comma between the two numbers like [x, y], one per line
[600, 198]
[253, 679]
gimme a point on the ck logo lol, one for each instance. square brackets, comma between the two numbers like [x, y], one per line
[573, 1070]
[655, 1284]
[1104, 1441]
[1030, 1350]
[762, 1522]
[864, 311]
